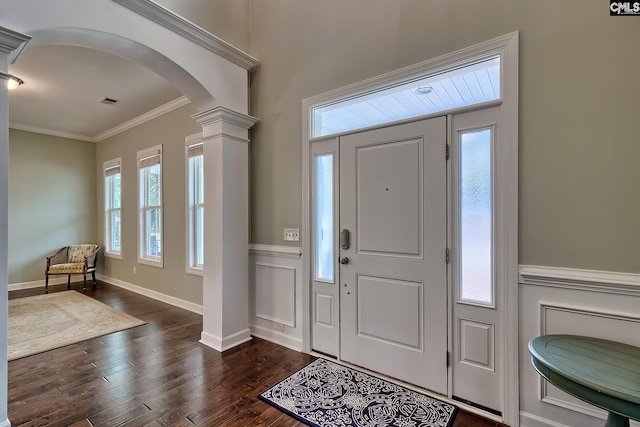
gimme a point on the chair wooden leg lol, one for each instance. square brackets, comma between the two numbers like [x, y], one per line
[68, 282]
[84, 286]
[93, 275]
[46, 283]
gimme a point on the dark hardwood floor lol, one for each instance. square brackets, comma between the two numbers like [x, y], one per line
[156, 374]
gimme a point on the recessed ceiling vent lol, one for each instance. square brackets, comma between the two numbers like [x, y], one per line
[108, 101]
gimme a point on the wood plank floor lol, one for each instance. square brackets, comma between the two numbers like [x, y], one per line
[156, 374]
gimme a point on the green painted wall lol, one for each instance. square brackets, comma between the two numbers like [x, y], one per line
[52, 200]
[169, 130]
[579, 148]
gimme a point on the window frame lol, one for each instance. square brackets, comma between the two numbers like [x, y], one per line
[192, 267]
[143, 258]
[457, 193]
[110, 165]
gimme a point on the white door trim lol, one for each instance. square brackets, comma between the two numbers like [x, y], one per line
[506, 192]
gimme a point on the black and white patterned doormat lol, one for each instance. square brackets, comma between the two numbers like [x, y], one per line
[326, 394]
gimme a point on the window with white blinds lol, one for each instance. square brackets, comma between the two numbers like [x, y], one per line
[113, 208]
[195, 204]
[150, 241]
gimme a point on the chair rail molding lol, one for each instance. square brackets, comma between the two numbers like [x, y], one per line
[274, 250]
[578, 279]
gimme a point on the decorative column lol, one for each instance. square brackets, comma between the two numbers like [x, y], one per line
[11, 44]
[226, 227]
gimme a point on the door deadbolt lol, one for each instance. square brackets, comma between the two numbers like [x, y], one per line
[345, 237]
[343, 260]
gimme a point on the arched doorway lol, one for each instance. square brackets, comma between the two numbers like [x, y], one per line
[213, 75]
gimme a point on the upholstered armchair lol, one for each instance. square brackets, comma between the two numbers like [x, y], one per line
[73, 259]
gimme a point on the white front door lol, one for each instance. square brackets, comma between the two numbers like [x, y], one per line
[393, 275]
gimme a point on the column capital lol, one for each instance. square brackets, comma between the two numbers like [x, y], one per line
[221, 122]
[12, 43]
[225, 115]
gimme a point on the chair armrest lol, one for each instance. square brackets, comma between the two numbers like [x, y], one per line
[59, 257]
[91, 260]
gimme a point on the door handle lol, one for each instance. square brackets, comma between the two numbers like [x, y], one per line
[345, 237]
[343, 260]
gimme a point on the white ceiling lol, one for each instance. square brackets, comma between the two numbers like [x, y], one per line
[63, 86]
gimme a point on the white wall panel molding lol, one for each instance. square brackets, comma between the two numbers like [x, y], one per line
[566, 318]
[568, 301]
[586, 280]
[275, 251]
[275, 293]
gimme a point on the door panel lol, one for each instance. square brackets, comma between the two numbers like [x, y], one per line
[389, 205]
[324, 295]
[393, 288]
[477, 307]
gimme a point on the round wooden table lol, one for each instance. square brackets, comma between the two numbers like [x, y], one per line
[601, 372]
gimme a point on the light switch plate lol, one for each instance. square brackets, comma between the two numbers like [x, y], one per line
[292, 234]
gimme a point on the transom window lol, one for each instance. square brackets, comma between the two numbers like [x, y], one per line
[468, 84]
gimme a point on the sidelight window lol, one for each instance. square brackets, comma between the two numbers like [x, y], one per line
[476, 216]
[323, 228]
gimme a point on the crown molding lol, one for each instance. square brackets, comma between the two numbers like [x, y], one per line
[12, 42]
[44, 131]
[149, 115]
[179, 25]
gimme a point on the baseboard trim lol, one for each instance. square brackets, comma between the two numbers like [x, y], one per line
[529, 420]
[159, 296]
[224, 344]
[60, 280]
[276, 337]
[577, 279]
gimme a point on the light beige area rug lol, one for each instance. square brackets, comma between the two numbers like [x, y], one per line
[45, 322]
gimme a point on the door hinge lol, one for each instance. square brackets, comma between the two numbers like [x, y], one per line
[446, 256]
[446, 152]
[448, 359]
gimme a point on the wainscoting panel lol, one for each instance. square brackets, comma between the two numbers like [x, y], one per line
[569, 301]
[275, 294]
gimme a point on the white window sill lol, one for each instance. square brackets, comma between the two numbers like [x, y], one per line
[195, 271]
[151, 262]
[113, 255]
